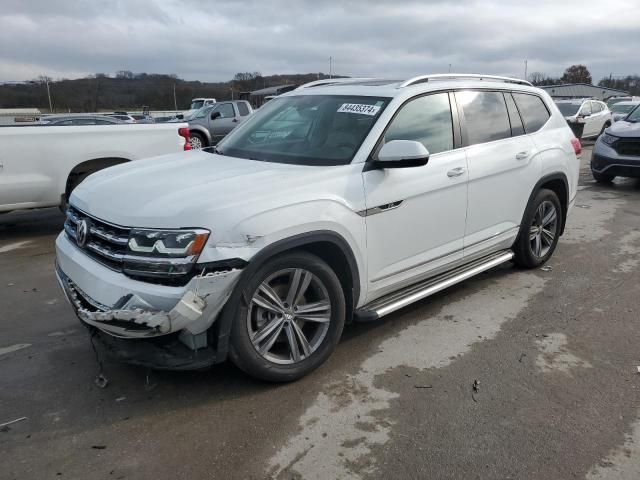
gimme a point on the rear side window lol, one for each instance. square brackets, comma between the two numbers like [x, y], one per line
[533, 111]
[426, 120]
[514, 117]
[485, 116]
[243, 109]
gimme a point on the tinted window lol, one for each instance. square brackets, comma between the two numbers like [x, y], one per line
[514, 117]
[533, 111]
[485, 115]
[243, 109]
[226, 110]
[426, 120]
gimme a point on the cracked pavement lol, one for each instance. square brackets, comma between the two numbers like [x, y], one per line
[555, 353]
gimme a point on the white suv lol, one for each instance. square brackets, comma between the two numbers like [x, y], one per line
[587, 118]
[331, 204]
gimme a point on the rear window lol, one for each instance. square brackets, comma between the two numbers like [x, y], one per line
[485, 116]
[533, 111]
[568, 109]
[243, 109]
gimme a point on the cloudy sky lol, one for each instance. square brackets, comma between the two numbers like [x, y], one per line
[211, 40]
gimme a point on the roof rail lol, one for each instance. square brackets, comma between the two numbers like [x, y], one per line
[462, 76]
[332, 81]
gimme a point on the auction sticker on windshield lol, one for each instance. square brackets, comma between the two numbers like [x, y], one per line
[360, 108]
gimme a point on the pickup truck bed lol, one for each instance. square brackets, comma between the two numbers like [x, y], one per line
[40, 165]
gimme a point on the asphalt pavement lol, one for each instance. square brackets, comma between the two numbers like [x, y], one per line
[514, 374]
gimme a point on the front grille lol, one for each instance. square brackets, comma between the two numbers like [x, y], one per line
[106, 243]
[629, 147]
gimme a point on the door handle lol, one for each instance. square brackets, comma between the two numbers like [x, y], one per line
[456, 172]
[522, 155]
[234, 120]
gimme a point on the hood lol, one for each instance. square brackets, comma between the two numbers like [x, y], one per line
[624, 129]
[192, 188]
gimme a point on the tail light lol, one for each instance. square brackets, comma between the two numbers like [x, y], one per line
[577, 147]
[184, 132]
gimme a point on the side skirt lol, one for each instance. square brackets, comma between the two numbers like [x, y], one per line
[401, 298]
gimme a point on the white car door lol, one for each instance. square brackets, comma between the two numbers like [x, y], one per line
[502, 168]
[590, 120]
[415, 216]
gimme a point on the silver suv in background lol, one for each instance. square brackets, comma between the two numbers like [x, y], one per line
[622, 109]
[212, 123]
[587, 118]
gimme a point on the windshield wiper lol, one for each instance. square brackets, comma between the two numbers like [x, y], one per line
[217, 151]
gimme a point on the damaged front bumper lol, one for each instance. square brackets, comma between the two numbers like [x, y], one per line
[130, 309]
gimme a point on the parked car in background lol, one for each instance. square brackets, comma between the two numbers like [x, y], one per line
[197, 104]
[344, 203]
[617, 151]
[141, 118]
[612, 101]
[211, 124]
[587, 118]
[41, 165]
[122, 116]
[622, 109]
[79, 120]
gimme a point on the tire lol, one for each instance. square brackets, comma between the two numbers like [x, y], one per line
[602, 177]
[604, 127]
[539, 231]
[197, 141]
[276, 330]
[73, 181]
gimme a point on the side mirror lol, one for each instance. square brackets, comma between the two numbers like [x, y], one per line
[215, 115]
[402, 154]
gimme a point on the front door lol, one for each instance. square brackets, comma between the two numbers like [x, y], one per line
[415, 217]
[224, 123]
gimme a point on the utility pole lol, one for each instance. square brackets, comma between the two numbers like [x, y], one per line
[525, 70]
[449, 68]
[175, 101]
[330, 67]
[49, 95]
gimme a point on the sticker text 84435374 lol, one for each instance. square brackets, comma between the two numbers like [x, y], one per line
[360, 108]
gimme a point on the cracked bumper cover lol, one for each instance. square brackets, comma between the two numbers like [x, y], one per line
[127, 308]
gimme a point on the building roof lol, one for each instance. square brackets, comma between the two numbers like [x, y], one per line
[581, 90]
[19, 111]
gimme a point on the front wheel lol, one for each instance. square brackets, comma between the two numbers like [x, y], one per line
[289, 319]
[540, 230]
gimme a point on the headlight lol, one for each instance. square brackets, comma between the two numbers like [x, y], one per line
[163, 253]
[608, 139]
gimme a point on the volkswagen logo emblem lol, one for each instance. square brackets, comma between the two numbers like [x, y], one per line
[82, 234]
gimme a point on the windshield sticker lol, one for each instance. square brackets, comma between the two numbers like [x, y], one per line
[360, 108]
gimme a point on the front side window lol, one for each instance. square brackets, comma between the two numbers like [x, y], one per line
[585, 109]
[534, 112]
[305, 129]
[225, 109]
[426, 120]
[596, 107]
[485, 116]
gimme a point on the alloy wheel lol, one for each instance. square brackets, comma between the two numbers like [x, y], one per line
[544, 226]
[288, 316]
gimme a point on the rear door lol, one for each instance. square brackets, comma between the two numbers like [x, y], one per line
[220, 126]
[501, 161]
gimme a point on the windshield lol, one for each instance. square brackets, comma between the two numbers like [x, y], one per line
[634, 116]
[568, 109]
[621, 108]
[195, 105]
[306, 130]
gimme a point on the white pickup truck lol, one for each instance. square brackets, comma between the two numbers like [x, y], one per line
[41, 165]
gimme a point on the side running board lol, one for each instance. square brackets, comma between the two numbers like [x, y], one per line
[400, 299]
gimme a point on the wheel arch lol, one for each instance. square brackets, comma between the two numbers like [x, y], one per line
[201, 131]
[558, 183]
[88, 167]
[328, 245]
